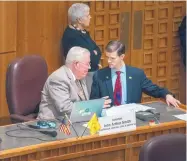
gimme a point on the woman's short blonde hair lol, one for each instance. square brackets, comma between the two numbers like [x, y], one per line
[77, 11]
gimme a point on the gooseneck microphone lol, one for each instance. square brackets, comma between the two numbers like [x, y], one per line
[50, 133]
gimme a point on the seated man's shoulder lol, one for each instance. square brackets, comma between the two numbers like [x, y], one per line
[135, 70]
[59, 75]
[102, 72]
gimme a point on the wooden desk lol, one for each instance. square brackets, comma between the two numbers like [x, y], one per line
[123, 146]
[7, 121]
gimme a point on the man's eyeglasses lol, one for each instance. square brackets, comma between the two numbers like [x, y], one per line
[86, 64]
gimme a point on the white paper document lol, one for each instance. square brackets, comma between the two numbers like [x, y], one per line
[122, 109]
[85, 125]
[181, 117]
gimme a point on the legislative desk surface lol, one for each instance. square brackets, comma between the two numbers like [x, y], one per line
[8, 143]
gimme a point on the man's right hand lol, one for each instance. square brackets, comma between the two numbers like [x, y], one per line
[107, 102]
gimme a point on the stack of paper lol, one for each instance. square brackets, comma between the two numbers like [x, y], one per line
[122, 109]
[181, 117]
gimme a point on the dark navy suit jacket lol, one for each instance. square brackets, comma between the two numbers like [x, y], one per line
[137, 82]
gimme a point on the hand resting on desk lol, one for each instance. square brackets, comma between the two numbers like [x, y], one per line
[170, 100]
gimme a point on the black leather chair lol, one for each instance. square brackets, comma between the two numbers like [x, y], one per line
[170, 147]
[24, 82]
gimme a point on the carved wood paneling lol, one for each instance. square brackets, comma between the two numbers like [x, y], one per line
[161, 45]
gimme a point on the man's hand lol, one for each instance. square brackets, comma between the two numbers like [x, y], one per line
[95, 52]
[170, 100]
[107, 102]
[100, 66]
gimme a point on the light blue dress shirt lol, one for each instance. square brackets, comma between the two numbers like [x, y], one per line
[123, 82]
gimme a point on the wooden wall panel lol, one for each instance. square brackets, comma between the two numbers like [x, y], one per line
[160, 55]
[105, 23]
[8, 26]
[5, 59]
[40, 27]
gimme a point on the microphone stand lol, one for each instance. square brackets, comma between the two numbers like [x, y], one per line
[156, 120]
[84, 130]
[72, 125]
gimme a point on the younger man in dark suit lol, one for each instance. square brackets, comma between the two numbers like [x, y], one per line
[122, 83]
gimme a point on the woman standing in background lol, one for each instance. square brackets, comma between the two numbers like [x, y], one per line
[76, 35]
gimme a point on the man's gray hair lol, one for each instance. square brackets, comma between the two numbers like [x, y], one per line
[76, 53]
[77, 11]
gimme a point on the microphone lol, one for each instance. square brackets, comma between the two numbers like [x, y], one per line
[50, 133]
[33, 126]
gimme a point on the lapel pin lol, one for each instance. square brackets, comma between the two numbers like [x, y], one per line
[106, 77]
[130, 77]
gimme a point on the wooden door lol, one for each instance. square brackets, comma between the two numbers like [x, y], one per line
[155, 43]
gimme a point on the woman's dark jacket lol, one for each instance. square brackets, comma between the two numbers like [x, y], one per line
[73, 37]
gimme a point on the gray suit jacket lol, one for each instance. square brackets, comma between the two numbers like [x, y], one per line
[59, 94]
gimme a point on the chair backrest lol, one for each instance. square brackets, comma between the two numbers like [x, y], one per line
[169, 147]
[89, 80]
[24, 82]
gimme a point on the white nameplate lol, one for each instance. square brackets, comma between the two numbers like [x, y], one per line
[115, 124]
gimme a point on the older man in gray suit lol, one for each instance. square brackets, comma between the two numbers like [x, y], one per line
[66, 85]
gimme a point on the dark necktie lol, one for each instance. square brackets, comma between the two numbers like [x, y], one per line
[118, 90]
[81, 90]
